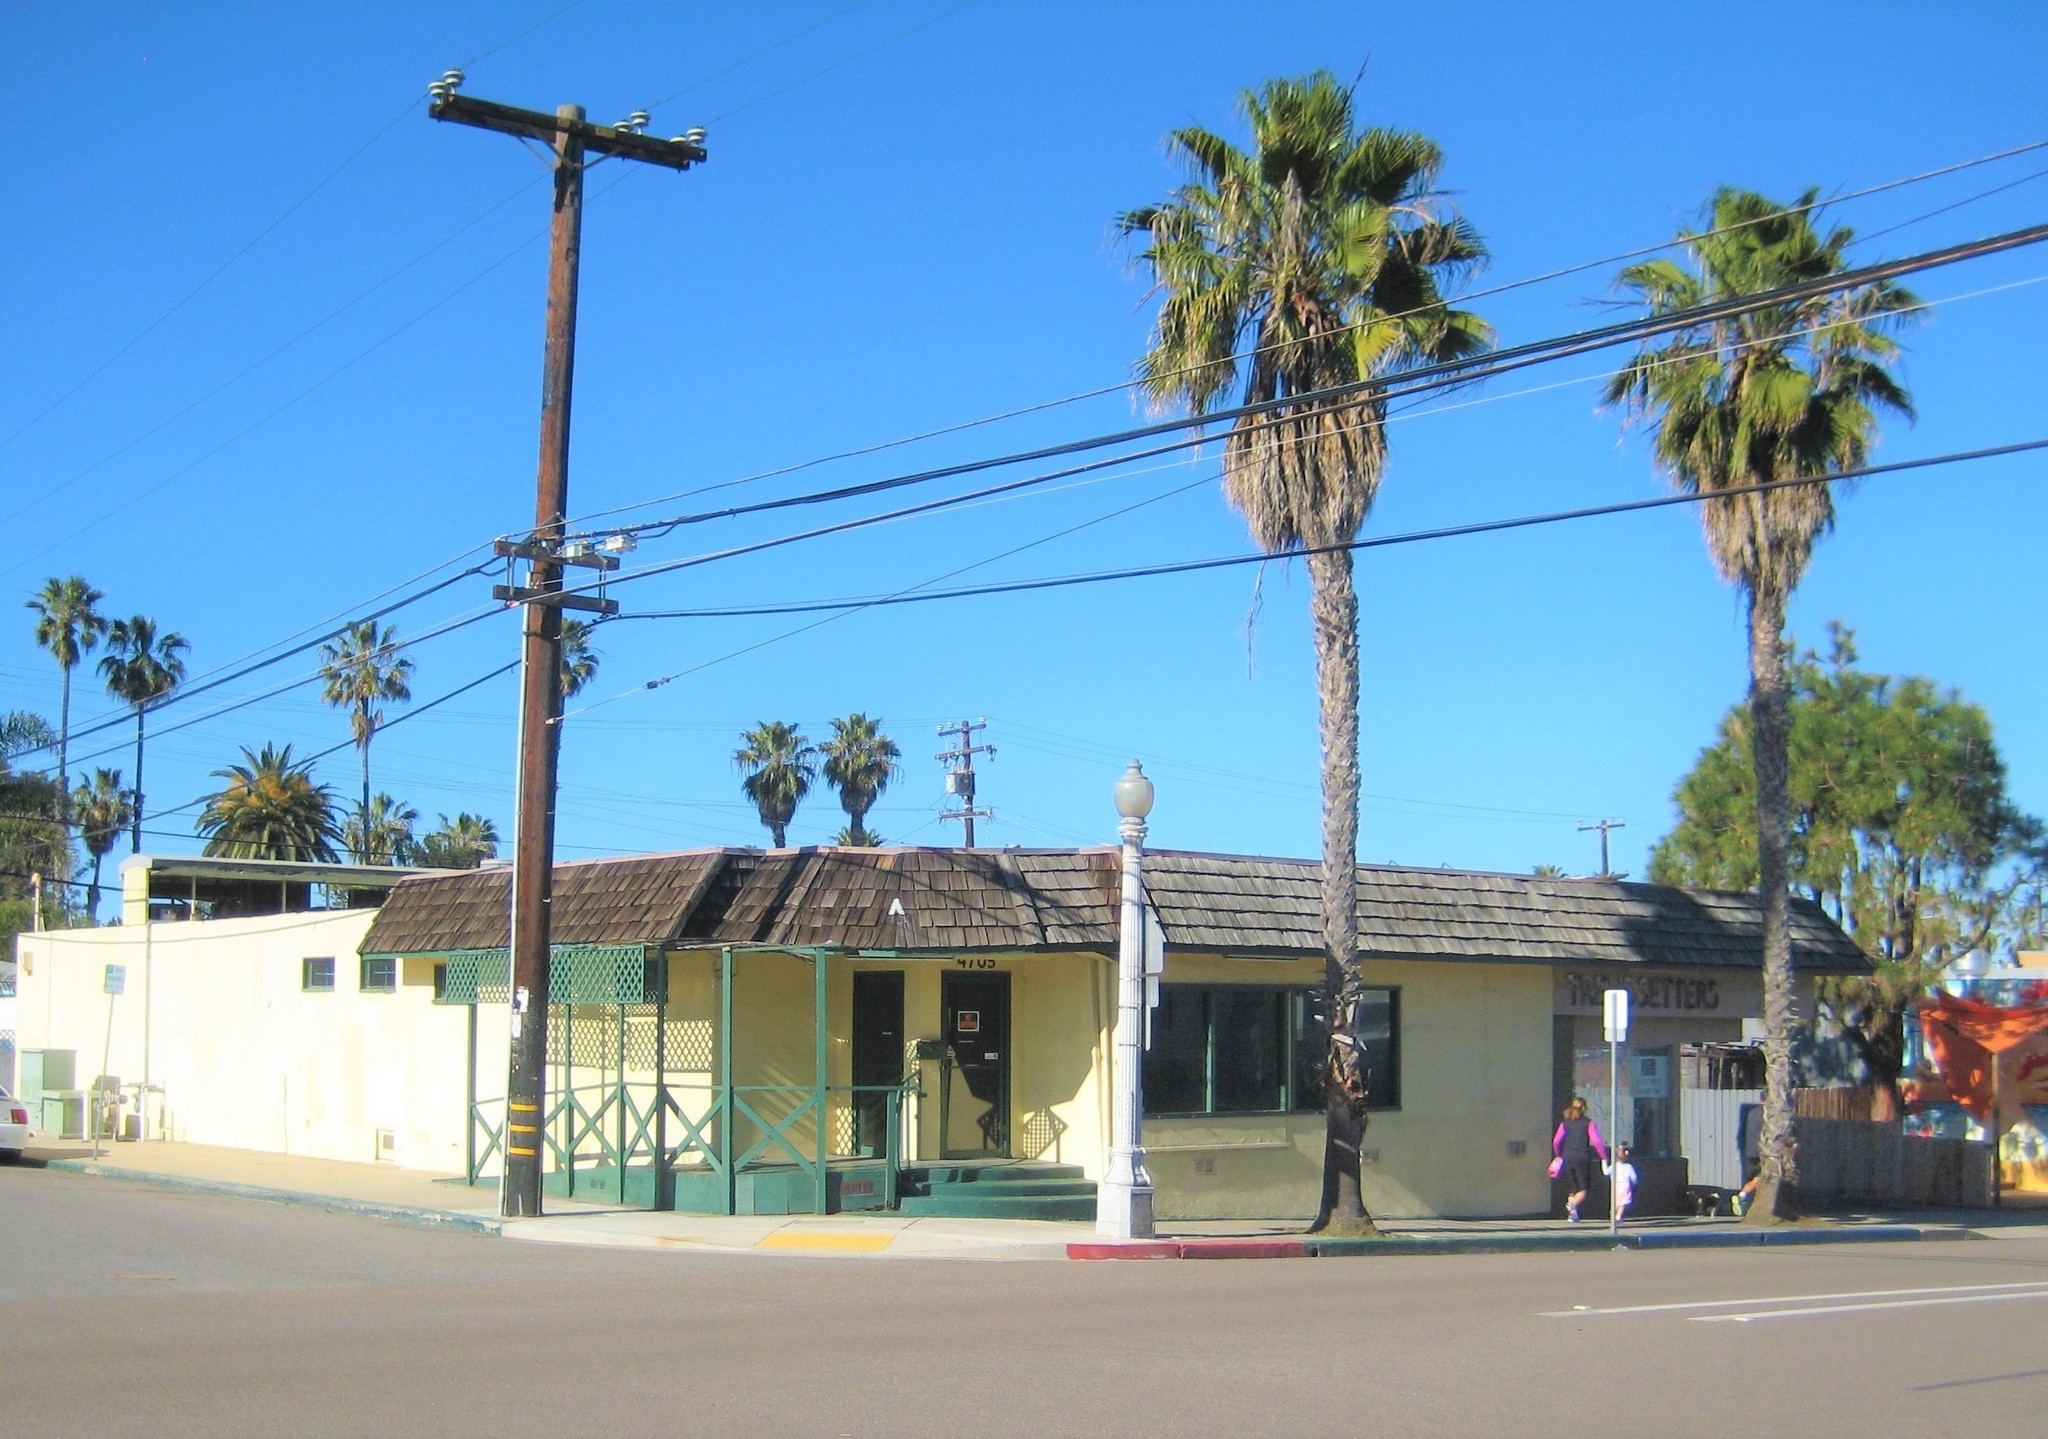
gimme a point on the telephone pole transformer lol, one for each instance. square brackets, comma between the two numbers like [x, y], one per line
[570, 137]
[959, 762]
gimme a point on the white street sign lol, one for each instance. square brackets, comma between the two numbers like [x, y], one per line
[1614, 1015]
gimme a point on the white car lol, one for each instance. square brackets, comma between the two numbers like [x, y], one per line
[13, 1128]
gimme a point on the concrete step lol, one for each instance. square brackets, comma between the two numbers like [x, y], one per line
[1033, 1188]
[960, 1204]
[988, 1173]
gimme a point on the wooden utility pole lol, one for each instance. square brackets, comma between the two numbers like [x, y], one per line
[959, 763]
[1604, 826]
[570, 137]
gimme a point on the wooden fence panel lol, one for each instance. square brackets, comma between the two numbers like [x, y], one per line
[1875, 1162]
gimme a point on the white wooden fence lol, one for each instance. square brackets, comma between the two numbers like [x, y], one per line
[1710, 1134]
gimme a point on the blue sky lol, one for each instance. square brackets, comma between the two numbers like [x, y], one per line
[905, 224]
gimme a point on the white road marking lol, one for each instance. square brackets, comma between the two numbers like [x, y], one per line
[1858, 1308]
[1579, 1311]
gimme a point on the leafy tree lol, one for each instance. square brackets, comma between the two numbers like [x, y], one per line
[140, 668]
[270, 808]
[1324, 250]
[68, 625]
[32, 835]
[362, 672]
[1548, 871]
[382, 834]
[1900, 828]
[860, 761]
[777, 765]
[1783, 391]
[464, 842]
[579, 661]
[103, 809]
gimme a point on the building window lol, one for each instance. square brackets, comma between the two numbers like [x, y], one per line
[316, 974]
[1234, 1049]
[380, 974]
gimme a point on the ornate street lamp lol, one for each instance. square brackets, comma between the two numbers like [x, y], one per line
[1123, 1200]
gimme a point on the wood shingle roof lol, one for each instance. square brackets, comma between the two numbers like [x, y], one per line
[952, 900]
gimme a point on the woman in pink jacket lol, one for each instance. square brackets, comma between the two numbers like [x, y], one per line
[1574, 1149]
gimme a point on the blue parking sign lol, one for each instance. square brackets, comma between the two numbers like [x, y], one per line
[117, 978]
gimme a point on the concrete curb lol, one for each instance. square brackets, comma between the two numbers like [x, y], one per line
[366, 1208]
[1590, 1240]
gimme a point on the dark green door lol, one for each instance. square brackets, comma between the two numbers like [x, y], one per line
[877, 1052]
[975, 1094]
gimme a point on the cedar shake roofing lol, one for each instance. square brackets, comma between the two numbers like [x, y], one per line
[1254, 905]
[641, 900]
[955, 900]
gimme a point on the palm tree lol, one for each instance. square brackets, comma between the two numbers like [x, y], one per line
[104, 810]
[141, 667]
[464, 842]
[1325, 248]
[1780, 392]
[32, 840]
[361, 672]
[68, 625]
[381, 834]
[579, 660]
[859, 762]
[778, 764]
[270, 808]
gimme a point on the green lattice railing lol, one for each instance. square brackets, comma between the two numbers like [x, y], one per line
[577, 974]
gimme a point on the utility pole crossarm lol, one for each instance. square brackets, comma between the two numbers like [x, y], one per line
[678, 154]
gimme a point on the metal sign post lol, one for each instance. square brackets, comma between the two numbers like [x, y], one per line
[114, 983]
[1614, 1017]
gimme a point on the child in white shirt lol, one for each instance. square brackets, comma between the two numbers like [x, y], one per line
[1625, 1181]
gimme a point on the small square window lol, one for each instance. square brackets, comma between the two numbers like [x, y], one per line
[316, 974]
[380, 974]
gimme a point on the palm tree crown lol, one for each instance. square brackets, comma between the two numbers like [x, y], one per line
[579, 660]
[270, 808]
[859, 762]
[103, 809]
[359, 674]
[68, 625]
[463, 842]
[1778, 392]
[1325, 250]
[382, 834]
[778, 765]
[140, 668]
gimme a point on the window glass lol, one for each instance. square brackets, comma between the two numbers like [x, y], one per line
[1177, 1064]
[317, 974]
[1250, 1051]
[380, 973]
[1377, 1023]
[1310, 1051]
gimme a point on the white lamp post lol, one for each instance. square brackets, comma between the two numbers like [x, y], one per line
[1123, 1200]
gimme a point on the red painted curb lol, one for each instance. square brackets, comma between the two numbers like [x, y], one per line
[1140, 1249]
[1245, 1249]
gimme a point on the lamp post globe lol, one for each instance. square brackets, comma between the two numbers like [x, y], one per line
[1123, 1198]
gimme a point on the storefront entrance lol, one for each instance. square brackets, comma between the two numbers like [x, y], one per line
[878, 1060]
[974, 1076]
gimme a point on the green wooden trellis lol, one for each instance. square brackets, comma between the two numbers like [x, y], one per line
[624, 1127]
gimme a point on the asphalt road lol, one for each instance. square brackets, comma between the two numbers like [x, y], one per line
[128, 1310]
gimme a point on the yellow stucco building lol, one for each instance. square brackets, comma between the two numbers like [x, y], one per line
[841, 1028]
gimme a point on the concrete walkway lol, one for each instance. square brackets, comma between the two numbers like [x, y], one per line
[382, 1191]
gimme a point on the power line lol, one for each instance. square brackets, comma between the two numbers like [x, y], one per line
[1378, 542]
[147, 330]
[1504, 288]
[882, 44]
[746, 60]
[547, 19]
[1422, 379]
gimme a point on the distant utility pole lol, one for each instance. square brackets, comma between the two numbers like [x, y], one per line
[1604, 825]
[959, 762]
[570, 137]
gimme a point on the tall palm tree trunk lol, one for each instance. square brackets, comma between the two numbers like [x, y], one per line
[64, 753]
[92, 894]
[777, 832]
[1777, 1196]
[1333, 608]
[135, 819]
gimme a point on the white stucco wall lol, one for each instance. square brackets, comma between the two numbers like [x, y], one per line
[214, 1012]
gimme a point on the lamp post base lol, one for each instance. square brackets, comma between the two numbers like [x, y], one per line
[1123, 1210]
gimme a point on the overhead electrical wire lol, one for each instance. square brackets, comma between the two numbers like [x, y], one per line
[1421, 379]
[747, 60]
[862, 54]
[1488, 292]
[1375, 542]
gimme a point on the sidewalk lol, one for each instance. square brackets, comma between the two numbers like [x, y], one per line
[382, 1191]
